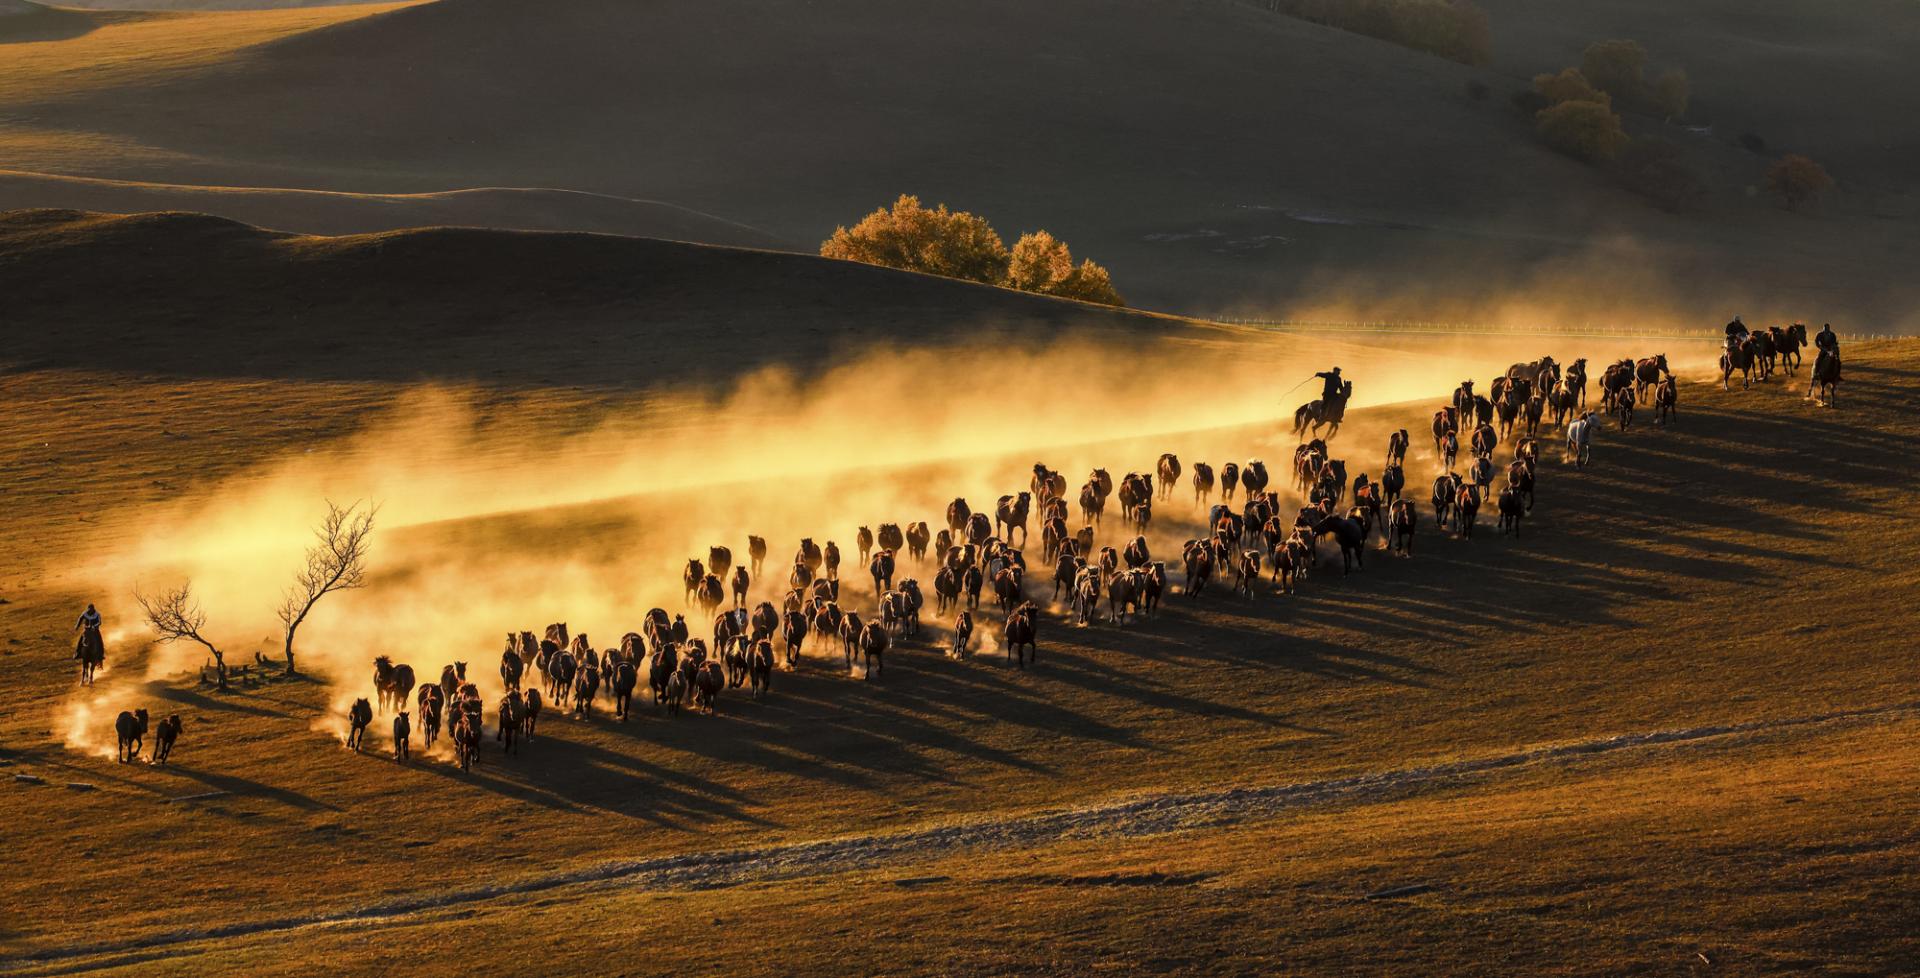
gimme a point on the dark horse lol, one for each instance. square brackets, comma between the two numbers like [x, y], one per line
[91, 653]
[1322, 413]
[1826, 377]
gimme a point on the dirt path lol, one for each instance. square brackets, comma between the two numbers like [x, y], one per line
[1145, 816]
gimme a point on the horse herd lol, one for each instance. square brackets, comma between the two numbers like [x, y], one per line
[1247, 534]
[983, 553]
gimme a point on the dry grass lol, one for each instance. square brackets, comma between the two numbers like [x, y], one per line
[1748, 564]
[1298, 169]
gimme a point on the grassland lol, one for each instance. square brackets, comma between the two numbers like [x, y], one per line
[1748, 566]
[1217, 157]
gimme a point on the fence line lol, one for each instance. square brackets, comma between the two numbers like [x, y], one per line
[1491, 329]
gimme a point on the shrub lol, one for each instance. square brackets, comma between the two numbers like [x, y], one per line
[1042, 263]
[1653, 168]
[1670, 94]
[1569, 86]
[1616, 67]
[1752, 143]
[1583, 129]
[1477, 90]
[1453, 29]
[937, 241]
[1797, 180]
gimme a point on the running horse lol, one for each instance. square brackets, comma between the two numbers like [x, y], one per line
[91, 653]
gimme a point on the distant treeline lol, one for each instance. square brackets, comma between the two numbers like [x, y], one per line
[1453, 29]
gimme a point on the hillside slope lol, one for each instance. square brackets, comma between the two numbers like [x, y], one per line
[1216, 156]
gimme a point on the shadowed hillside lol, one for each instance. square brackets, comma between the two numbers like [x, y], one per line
[1215, 156]
[173, 292]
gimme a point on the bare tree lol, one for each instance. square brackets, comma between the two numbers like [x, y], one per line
[174, 616]
[337, 562]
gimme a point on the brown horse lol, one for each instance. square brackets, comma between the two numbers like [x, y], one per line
[1169, 470]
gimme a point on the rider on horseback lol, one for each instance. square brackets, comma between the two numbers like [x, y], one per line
[1736, 331]
[89, 618]
[1331, 390]
[1826, 341]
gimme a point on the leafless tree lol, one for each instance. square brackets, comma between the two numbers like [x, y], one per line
[336, 562]
[174, 616]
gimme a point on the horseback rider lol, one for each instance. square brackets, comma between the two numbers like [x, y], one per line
[1331, 390]
[1826, 341]
[89, 619]
[1736, 331]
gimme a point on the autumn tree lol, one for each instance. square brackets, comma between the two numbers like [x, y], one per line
[1618, 68]
[1569, 86]
[1582, 129]
[936, 241]
[1797, 180]
[1042, 263]
[1670, 94]
[337, 561]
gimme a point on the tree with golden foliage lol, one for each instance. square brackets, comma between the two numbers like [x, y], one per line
[1042, 263]
[1797, 180]
[1582, 129]
[1670, 94]
[1618, 68]
[936, 241]
[1570, 85]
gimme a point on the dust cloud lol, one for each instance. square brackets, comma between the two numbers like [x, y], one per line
[495, 521]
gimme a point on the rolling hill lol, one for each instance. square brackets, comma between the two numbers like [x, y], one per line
[1671, 725]
[1219, 158]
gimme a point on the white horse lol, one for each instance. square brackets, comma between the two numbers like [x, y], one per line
[1580, 440]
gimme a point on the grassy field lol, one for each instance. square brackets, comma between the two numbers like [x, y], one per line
[1218, 158]
[1741, 577]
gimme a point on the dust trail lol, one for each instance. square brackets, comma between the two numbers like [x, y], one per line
[499, 517]
[1136, 817]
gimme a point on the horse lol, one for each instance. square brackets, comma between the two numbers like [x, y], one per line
[1647, 372]
[1580, 440]
[1826, 378]
[719, 561]
[757, 553]
[962, 635]
[1738, 356]
[1466, 509]
[512, 718]
[359, 715]
[1397, 447]
[91, 652]
[131, 731]
[1202, 483]
[1400, 527]
[1541, 374]
[1623, 406]
[392, 684]
[1019, 634]
[1512, 508]
[466, 741]
[1576, 380]
[1665, 395]
[168, 731]
[1787, 343]
[1352, 538]
[1446, 489]
[1520, 474]
[760, 669]
[1169, 471]
[874, 642]
[1322, 413]
[1485, 440]
[690, 578]
[432, 704]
